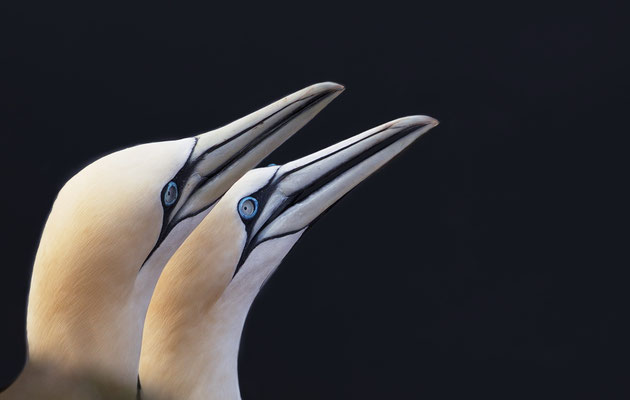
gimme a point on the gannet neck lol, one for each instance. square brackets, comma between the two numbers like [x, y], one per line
[175, 326]
[83, 305]
[117, 222]
[190, 347]
[224, 324]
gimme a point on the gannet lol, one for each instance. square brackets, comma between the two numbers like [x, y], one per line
[196, 317]
[115, 224]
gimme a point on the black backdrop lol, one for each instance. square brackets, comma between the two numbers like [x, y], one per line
[470, 266]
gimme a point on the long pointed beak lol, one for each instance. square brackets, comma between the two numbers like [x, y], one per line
[307, 187]
[222, 156]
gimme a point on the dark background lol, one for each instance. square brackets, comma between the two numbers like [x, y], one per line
[480, 263]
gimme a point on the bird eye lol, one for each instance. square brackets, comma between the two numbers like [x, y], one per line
[248, 207]
[171, 193]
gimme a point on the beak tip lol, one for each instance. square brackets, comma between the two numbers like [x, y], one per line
[329, 87]
[332, 86]
[415, 121]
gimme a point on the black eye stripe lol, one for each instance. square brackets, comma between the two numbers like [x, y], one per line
[180, 179]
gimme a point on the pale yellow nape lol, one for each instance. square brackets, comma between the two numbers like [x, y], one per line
[102, 226]
[188, 289]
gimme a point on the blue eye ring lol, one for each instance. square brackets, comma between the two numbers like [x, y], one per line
[242, 207]
[171, 193]
[272, 165]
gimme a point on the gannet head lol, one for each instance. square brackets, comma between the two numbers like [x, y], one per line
[116, 223]
[194, 324]
[276, 205]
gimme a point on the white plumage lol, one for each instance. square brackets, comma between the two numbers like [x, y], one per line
[195, 320]
[112, 229]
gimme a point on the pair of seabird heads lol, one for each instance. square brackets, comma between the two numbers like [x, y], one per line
[193, 214]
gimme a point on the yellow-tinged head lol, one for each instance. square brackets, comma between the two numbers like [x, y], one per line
[193, 327]
[116, 223]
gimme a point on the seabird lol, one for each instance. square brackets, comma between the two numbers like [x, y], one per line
[114, 226]
[196, 317]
